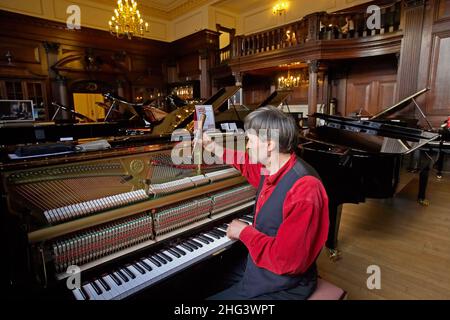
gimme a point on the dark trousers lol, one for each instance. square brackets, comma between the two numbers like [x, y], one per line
[234, 292]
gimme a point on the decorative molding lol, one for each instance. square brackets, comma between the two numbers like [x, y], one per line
[51, 47]
[414, 3]
[313, 66]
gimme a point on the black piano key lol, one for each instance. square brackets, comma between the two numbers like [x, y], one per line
[104, 284]
[122, 275]
[165, 256]
[146, 265]
[208, 238]
[129, 272]
[220, 232]
[173, 253]
[179, 251]
[212, 234]
[191, 245]
[159, 258]
[139, 268]
[247, 219]
[198, 244]
[187, 247]
[96, 288]
[84, 293]
[202, 239]
[224, 226]
[154, 261]
[115, 279]
[217, 234]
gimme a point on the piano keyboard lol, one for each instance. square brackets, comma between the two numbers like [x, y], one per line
[150, 269]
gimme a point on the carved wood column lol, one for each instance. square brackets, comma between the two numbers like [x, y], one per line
[63, 97]
[205, 81]
[408, 71]
[312, 88]
[120, 90]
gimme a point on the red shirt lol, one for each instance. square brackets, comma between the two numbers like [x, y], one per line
[304, 229]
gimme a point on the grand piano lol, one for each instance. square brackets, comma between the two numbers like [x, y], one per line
[236, 114]
[365, 158]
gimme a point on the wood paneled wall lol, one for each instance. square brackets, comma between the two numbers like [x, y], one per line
[367, 84]
[92, 60]
[435, 73]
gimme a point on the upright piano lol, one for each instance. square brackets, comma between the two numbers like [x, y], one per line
[359, 159]
[124, 219]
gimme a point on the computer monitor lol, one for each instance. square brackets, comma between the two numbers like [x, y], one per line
[16, 111]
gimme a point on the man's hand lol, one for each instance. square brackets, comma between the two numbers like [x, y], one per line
[235, 228]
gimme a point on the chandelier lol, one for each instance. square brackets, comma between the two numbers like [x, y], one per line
[127, 21]
[288, 82]
[280, 8]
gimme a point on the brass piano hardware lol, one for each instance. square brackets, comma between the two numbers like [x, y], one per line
[219, 252]
[76, 225]
[424, 202]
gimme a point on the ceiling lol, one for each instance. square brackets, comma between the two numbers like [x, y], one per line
[164, 9]
[242, 6]
[171, 9]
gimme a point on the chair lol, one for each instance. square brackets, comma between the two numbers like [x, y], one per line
[327, 291]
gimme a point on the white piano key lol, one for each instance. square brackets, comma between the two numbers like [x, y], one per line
[94, 296]
[78, 295]
[115, 288]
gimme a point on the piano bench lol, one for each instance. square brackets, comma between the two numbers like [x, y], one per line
[327, 291]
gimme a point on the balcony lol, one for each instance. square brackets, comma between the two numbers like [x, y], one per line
[318, 36]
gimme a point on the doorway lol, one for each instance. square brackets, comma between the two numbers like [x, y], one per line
[86, 104]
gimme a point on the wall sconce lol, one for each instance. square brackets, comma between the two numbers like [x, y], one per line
[280, 8]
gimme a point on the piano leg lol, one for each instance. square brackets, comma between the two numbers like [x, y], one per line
[440, 160]
[335, 211]
[423, 181]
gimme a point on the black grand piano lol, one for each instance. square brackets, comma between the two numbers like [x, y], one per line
[236, 114]
[359, 159]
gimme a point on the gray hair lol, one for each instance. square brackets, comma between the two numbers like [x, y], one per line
[269, 118]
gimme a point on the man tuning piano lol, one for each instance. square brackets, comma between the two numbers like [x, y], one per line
[291, 213]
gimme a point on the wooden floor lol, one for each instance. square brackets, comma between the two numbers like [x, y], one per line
[409, 242]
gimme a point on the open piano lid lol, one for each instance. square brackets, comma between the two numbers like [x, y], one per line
[395, 139]
[276, 98]
[399, 106]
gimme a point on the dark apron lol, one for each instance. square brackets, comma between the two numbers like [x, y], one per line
[259, 281]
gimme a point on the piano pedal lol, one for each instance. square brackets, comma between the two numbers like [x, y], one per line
[334, 255]
[424, 202]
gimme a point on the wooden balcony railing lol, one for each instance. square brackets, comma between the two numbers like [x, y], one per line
[225, 54]
[317, 26]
